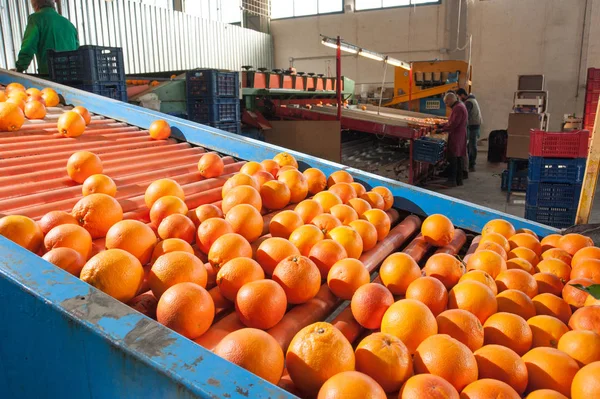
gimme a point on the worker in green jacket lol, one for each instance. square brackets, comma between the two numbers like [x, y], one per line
[46, 30]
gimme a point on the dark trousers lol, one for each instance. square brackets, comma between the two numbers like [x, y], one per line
[472, 145]
[455, 169]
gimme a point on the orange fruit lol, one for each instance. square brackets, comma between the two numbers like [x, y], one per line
[235, 273]
[482, 277]
[586, 318]
[516, 279]
[554, 266]
[99, 184]
[18, 102]
[305, 237]
[55, 218]
[527, 241]
[557, 253]
[325, 254]
[284, 169]
[489, 388]
[340, 176]
[241, 195]
[3, 96]
[115, 272]
[524, 253]
[548, 282]
[492, 246]
[71, 124]
[384, 358]
[270, 166]
[496, 238]
[170, 245]
[174, 268]
[398, 271]
[499, 226]
[375, 200]
[550, 241]
[431, 292]
[586, 383]
[551, 305]
[462, 326]
[83, 164]
[581, 345]
[187, 309]
[275, 194]
[14, 86]
[159, 130]
[246, 221]
[262, 177]
[260, 304]
[327, 199]
[502, 364]
[297, 184]
[474, 297]
[251, 167]
[411, 321]
[209, 231]
[437, 230]
[227, 247]
[427, 386]
[162, 188]
[326, 222]
[587, 268]
[317, 353]
[522, 264]
[545, 394]
[343, 190]
[299, 277]
[527, 231]
[359, 205]
[211, 165]
[549, 368]
[67, 259]
[239, 179]
[386, 194]
[35, 110]
[516, 302]
[380, 220]
[508, 330]
[344, 213]
[70, 236]
[85, 114]
[369, 303]
[445, 268]
[346, 276]
[367, 232]
[432, 357]
[50, 97]
[351, 385]
[255, 351]
[285, 159]
[585, 253]
[18, 94]
[284, 223]
[97, 213]
[574, 296]
[308, 210]
[22, 231]
[574, 242]
[177, 226]
[546, 330]
[317, 181]
[272, 251]
[488, 261]
[349, 239]
[208, 211]
[166, 206]
[359, 188]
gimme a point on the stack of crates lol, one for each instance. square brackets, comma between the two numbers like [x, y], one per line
[428, 150]
[592, 93]
[99, 70]
[556, 171]
[213, 98]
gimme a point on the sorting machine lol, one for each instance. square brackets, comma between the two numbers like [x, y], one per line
[63, 338]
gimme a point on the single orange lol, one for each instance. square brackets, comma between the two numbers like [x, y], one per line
[585, 253]
[473, 297]
[557, 253]
[488, 261]
[299, 277]
[297, 184]
[209, 231]
[85, 114]
[241, 195]
[552, 305]
[208, 211]
[346, 276]
[359, 205]
[308, 210]
[497, 238]
[482, 277]
[340, 176]
[187, 309]
[325, 254]
[516, 279]
[573, 242]
[327, 199]
[427, 386]
[97, 213]
[284, 223]
[516, 302]
[492, 246]
[548, 282]
[499, 226]
[174, 268]
[437, 230]
[70, 236]
[502, 364]
[177, 226]
[431, 292]
[462, 326]
[239, 179]
[549, 368]
[317, 181]
[524, 253]
[359, 188]
[369, 304]
[586, 383]
[305, 237]
[367, 232]
[251, 167]
[270, 166]
[489, 388]
[522, 264]
[227, 247]
[326, 222]
[527, 241]
[343, 190]
[550, 241]
[581, 345]
[573, 295]
[275, 194]
[411, 321]
[586, 318]
[344, 213]
[375, 200]
[446, 268]
[83, 164]
[554, 266]
[35, 110]
[262, 177]
[285, 159]
[546, 330]
[235, 273]
[272, 251]
[99, 184]
[162, 188]
[380, 220]
[71, 124]
[55, 218]
[165, 206]
[587, 268]
[349, 239]
[246, 221]
[170, 245]
[398, 271]
[508, 330]
[159, 130]
[211, 165]
[67, 259]
[11, 117]
[260, 304]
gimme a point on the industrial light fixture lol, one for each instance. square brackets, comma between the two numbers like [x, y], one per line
[330, 42]
[371, 55]
[398, 63]
[351, 48]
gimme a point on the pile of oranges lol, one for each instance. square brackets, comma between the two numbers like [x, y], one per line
[243, 277]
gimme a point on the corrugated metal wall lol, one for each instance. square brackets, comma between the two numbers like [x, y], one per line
[154, 39]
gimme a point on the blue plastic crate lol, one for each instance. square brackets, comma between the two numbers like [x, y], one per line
[211, 83]
[428, 150]
[552, 216]
[231, 127]
[556, 170]
[559, 195]
[116, 91]
[519, 182]
[213, 110]
[87, 65]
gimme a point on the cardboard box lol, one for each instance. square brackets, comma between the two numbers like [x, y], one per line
[519, 127]
[317, 138]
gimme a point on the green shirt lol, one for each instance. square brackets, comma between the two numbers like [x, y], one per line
[46, 30]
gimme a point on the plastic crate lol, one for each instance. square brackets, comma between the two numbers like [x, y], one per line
[87, 64]
[553, 194]
[559, 144]
[211, 83]
[593, 86]
[116, 91]
[593, 74]
[428, 150]
[552, 216]
[231, 127]
[556, 170]
[519, 181]
[213, 110]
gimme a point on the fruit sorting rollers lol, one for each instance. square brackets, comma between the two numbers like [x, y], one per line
[54, 325]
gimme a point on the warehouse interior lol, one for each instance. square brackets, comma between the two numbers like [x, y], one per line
[330, 199]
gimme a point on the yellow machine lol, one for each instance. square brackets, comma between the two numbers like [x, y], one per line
[430, 81]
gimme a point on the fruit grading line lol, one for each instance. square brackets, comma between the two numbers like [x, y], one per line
[63, 338]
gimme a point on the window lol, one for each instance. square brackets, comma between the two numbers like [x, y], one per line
[228, 11]
[375, 4]
[301, 8]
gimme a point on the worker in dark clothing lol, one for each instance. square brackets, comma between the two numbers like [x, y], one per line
[457, 138]
[473, 126]
[46, 30]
